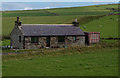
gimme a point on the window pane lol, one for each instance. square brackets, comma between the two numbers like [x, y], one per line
[61, 39]
[75, 38]
[19, 38]
[34, 39]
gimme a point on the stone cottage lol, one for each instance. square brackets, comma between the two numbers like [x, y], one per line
[35, 36]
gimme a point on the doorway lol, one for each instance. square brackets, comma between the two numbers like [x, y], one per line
[47, 41]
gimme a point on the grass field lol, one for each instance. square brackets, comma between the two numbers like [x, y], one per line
[99, 63]
[95, 60]
[5, 42]
[107, 26]
[89, 10]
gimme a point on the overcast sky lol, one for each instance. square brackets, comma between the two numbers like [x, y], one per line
[60, 0]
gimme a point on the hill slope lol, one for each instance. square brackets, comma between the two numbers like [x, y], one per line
[107, 26]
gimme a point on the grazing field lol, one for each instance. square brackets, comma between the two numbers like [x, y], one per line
[99, 63]
[107, 26]
[94, 60]
[87, 10]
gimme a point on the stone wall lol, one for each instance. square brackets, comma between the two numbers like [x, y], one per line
[14, 37]
[69, 41]
[80, 40]
[41, 43]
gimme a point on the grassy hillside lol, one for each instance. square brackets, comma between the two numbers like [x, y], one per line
[59, 16]
[107, 26]
[87, 10]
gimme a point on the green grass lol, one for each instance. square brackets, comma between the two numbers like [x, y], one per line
[94, 60]
[88, 10]
[27, 13]
[107, 26]
[109, 41]
[5, 42]
[102, 62]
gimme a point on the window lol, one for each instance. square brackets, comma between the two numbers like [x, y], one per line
[75, 38]
[61, 39]
[19, 38]
[34, 39]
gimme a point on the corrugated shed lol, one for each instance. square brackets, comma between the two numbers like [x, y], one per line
[50, 30]
[92, 37]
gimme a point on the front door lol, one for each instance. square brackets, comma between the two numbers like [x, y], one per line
[47, 41]
[23, 42]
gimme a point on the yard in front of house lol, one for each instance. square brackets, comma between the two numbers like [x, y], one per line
[95, 60]
[100, 63]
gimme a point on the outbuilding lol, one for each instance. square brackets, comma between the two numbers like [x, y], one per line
[92, 37]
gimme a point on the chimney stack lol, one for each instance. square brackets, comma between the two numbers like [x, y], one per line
[18, 22]
[75, 23]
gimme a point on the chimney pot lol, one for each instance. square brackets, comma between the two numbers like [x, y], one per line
[75, 23]
[17, 18]
[18, 22]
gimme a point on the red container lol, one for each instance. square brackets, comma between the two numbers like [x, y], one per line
[92, 37]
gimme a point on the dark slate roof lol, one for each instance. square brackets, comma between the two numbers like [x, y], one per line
[50, 30]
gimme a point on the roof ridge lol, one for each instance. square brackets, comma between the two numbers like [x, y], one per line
[48, 24]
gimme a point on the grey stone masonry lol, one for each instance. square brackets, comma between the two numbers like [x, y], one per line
[69, 41]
